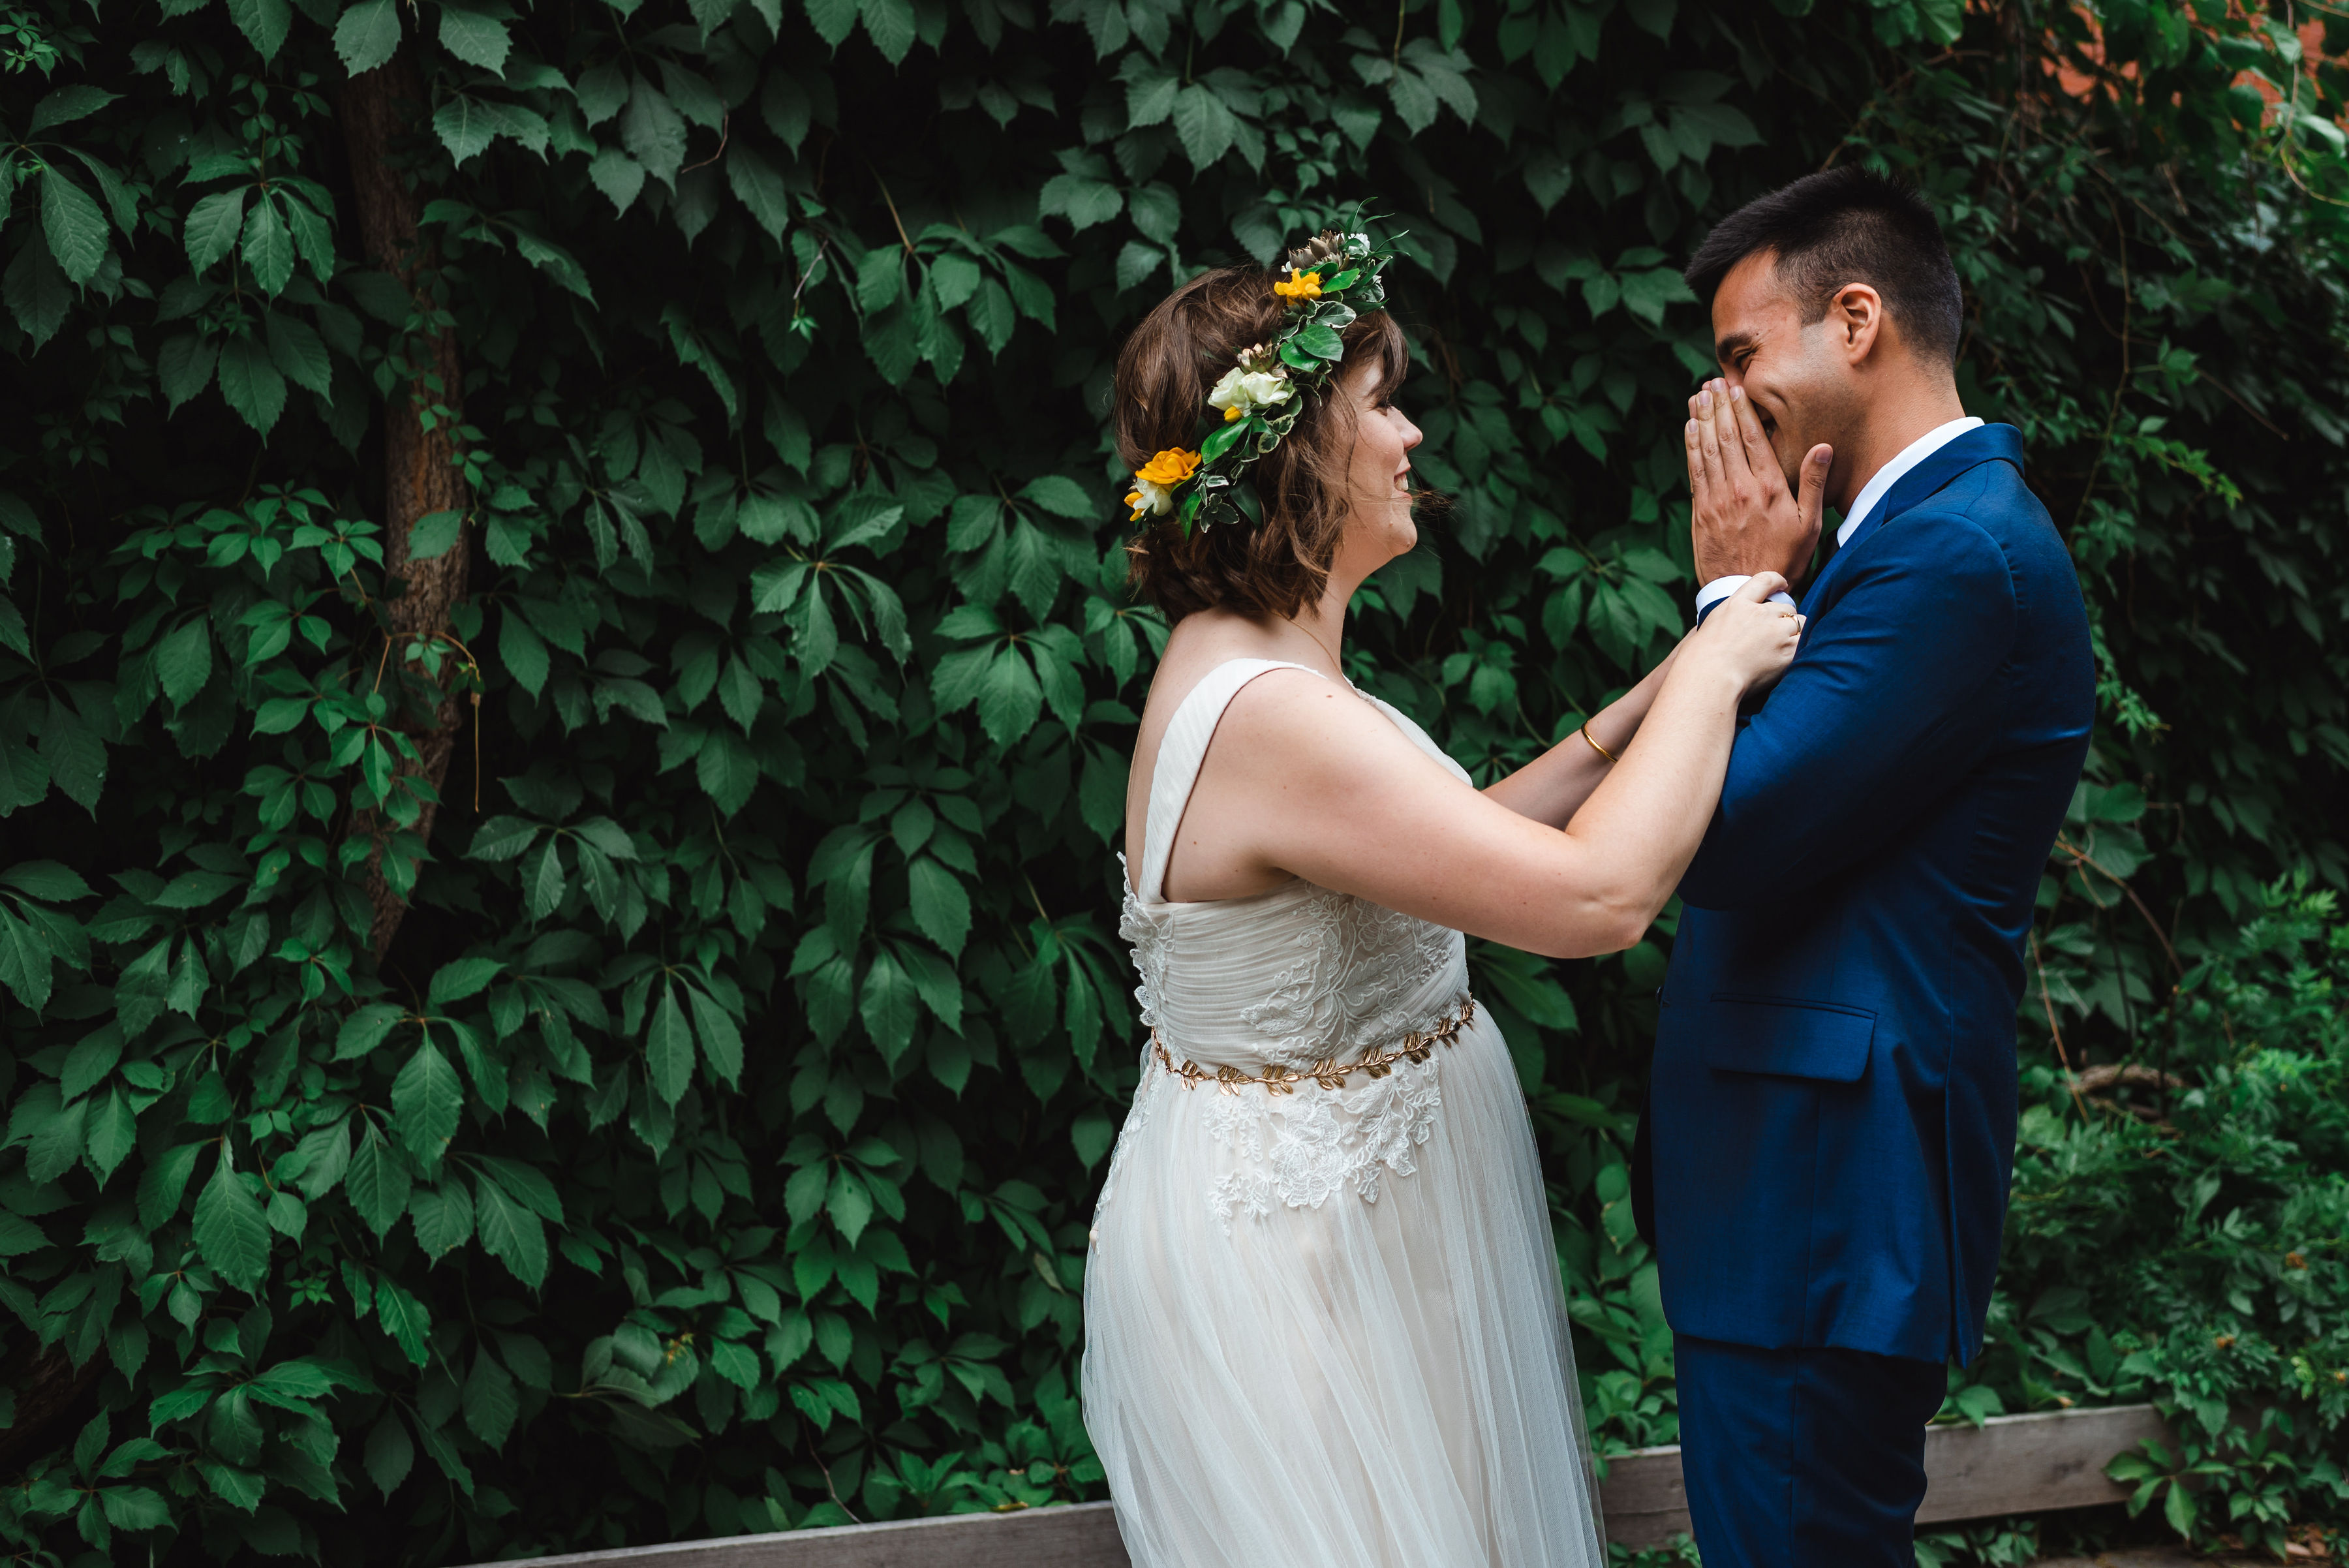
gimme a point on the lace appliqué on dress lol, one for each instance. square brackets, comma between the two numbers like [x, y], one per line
[1360, 967]
[1359, 979]
[1301, 1150]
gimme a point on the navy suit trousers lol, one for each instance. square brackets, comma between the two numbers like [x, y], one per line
[1804, 1457]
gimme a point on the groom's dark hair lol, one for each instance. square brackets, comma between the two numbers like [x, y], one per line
[1841, 226]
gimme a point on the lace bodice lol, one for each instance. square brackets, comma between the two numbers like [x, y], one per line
[1286, 978]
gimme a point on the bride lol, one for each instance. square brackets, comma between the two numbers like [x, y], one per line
[1323, 1316]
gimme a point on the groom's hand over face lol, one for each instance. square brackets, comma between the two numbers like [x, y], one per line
[1742, 519]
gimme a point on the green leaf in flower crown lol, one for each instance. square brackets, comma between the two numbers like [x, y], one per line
[1319, 341]
[1222, 438]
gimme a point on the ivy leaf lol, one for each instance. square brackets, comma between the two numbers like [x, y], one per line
[475, 38]
[57, 884]
[653, 132]
[1083, 195]
[390, 1452]
[939, 903]
[251, 383]
[668, 1048]
[1202, 125]
[1061, 496]
[230, 1234]
[24, 965]
[74, 225]
[491, 1400]
[300, 354]
[268, 246]
[37, 293]
[377, 1182]
[404, 1318]
[464, 977]
[113, 1132]
[721, 1041]
[428, 1099]
[523, 652]
[183, 367]
[164, 1184]
[1009, 699]
[183, 662]
[511, 1233]
[52, 1133]
[365, 1029]
[890, 24]
[466, 126]
[264, 22]
[365, 38]
[324, 1155]
[887, 1006]
[833, 20]
[443, 1216]
[65, 104]
[760, 189]
[213, 226]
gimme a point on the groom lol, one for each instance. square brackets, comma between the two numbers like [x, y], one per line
[1831, 1125]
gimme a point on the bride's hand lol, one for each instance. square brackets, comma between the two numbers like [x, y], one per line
[1748, 637]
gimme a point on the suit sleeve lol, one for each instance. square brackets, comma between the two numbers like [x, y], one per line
[1889, 703]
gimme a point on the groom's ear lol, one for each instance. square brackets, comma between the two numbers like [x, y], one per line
[1856, 314]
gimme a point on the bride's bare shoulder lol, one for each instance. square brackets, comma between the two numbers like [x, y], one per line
[1301, 730]
[1198, 644]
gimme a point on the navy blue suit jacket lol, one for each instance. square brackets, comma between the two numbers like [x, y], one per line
[1833, 1103]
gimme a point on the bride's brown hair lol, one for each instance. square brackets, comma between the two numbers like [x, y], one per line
[1163, 374]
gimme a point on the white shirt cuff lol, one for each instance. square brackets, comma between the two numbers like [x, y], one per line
[1720, 589]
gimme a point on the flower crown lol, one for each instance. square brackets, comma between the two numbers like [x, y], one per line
[1326, 284]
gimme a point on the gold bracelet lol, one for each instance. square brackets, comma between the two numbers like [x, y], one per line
[1594, 744]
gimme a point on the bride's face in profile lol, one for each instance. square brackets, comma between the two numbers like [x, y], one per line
[1378, 523]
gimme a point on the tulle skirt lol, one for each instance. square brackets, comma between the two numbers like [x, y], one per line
[1330, 1332]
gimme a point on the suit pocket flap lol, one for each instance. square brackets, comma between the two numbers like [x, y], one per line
[1788, 1039]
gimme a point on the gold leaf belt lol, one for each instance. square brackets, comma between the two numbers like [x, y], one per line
[1330, 1072]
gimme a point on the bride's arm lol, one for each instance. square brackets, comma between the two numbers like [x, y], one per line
[1303, 778]
[1553, 786]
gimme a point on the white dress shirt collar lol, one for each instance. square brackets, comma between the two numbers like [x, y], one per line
[1891, 473]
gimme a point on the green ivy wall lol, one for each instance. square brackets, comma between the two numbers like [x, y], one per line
[564, 681]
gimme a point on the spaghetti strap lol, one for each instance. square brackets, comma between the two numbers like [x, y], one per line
[1181, 751]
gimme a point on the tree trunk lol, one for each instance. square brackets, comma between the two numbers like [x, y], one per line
[420, 475]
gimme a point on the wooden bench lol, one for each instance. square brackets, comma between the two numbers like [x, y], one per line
[2011, 1464]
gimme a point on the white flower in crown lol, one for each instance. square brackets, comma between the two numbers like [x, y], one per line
[1243, 391]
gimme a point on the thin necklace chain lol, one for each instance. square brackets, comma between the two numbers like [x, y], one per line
[1336, 663]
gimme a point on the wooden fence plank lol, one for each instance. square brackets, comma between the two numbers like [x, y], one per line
[2031, 1464]
[1082, 1535]
[2013, 1464]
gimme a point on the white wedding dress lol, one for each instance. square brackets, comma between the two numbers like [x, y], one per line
[1324, 1327]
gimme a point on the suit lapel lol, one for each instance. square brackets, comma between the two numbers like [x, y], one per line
[1985, 443]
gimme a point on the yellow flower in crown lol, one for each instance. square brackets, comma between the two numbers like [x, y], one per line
[1155, 481]
[1304, 287]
